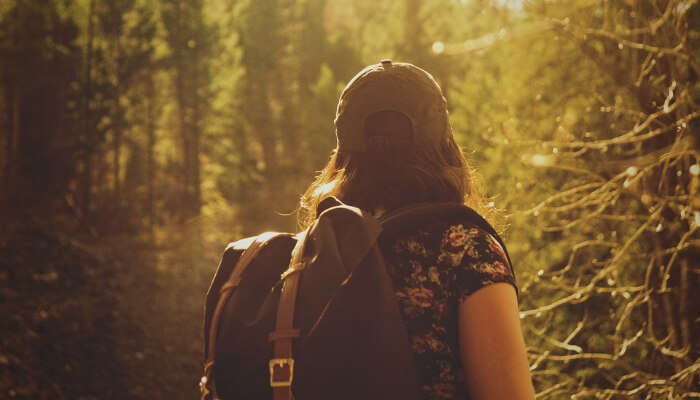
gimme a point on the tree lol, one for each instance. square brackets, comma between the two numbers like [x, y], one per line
[187, 35]
[40, 104]
[606, 94]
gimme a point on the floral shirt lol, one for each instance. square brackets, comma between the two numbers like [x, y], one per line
[433, 269]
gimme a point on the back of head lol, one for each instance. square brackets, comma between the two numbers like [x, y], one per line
[399, 87]
[394, 144]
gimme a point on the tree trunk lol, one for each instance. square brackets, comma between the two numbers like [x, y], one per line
[150, 166]
[12, 161]
[119, 124]
[86, 175]
[186, 86]
[117, 143]
[195, 191]
[182, 111]
[196, 199]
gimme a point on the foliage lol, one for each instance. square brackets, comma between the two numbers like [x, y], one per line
[626, 206]
[137, 137]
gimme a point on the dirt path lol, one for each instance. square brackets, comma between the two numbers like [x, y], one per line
[119, 318]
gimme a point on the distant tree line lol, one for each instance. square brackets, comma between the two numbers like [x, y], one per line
[133, 116]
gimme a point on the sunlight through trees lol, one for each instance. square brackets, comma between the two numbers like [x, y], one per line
[163, 129]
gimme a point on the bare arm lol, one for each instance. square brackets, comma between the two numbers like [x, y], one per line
[491, 345]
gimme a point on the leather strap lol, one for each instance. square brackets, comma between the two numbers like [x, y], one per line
[282, 365]
[208, 391]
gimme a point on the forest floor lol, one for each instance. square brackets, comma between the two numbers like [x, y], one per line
[100, 317]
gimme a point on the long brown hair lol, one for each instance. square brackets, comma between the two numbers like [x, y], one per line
[391, 179]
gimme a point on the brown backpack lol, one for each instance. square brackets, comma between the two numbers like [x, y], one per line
[313, 315]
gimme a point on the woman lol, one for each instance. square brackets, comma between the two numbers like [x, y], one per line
[456, 293]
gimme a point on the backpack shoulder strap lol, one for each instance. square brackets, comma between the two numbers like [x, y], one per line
[281, 366]
[335, 223]
[243, 252]
[396, 221]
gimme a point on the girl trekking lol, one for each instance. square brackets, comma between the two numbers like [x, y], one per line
[455, 290]
[395, 289]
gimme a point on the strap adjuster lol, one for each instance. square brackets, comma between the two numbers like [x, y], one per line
[282, 364]
[204, 388]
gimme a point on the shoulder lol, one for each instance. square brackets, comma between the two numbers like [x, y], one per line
[430, 217]
[452, 232]
[472, 241]
[454, 241]
[456, 235]
[476, 257]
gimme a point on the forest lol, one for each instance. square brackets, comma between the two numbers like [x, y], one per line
[139, 137]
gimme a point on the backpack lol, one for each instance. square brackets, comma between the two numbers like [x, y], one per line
[313, 315]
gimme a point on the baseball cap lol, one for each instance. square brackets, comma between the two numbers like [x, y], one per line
[397, 87]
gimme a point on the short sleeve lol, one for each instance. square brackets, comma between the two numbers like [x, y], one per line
[476, 259]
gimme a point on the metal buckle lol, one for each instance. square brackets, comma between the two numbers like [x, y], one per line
[204, 388]
[281, 362]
